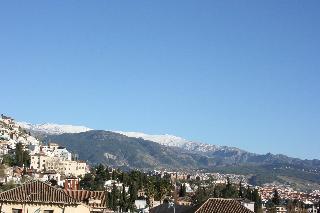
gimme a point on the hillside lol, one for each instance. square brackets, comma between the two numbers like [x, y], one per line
[119, 150]
[114, 149]
[143, 151]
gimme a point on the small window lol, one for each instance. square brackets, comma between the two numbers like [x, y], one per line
[47, 211]
[16, 210]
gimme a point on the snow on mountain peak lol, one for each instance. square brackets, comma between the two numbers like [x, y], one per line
[54, 129]
[175, 141]
[167, 140]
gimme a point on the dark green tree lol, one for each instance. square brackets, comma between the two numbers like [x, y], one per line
[110, 201]
[87, 182]
[240, 190]
[100, 177]
[182, 191]
[229, 191]
[124, 202]
[276, 198]
[26, 158]
[257, 201]
[19, 159]
[108, 176]
[9, 160]
[200, 195]
[115, 195]
[133, 191]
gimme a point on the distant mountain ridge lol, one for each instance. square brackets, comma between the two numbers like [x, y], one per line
[143, 151]
[53, 129]
[171, 140]
[118, 150]
[165, 139]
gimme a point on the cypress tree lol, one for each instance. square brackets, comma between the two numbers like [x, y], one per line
[19, 154]
[276, 197]
[240, 190]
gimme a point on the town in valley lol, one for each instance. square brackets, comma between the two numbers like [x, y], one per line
[49, 175]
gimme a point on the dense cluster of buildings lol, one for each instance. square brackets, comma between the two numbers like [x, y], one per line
[47, 162]
[286, 192]
[51, 162]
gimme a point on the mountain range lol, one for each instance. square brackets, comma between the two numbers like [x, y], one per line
[165, 139]
[134, 150]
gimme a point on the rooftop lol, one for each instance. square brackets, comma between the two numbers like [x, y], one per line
[37, 192]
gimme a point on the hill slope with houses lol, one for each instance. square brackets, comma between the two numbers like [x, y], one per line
[142, 151]
[24, 157]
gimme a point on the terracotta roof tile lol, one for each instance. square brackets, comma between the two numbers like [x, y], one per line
[96, 199]
[218, 205]
[37, 191]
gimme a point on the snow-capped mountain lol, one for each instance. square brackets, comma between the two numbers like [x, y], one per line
[165, 139]
[175, 141]
[53, 129]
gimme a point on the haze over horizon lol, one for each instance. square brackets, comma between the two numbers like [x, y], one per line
[226, 73]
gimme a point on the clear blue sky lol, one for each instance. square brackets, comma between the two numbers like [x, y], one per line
[236, 73]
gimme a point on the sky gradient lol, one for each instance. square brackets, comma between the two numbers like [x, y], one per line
[236, 73]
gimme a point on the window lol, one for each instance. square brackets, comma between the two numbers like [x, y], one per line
[47, 211]
[16, 210]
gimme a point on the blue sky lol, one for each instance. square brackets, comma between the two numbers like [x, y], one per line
[236, 73]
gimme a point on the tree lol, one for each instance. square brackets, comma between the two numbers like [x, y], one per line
[7, 186]
[240, 190]
[26, 158]
[8, 160]
[115, 197]
[108, 176]
[87, 182]
[229, 191]
[182, 191]
[133, 191]
[276, 198]
[248, 193]
[110, 200]
[19, 154]
[123, 201]
[257, 201]
[200, 195]
[100, 177]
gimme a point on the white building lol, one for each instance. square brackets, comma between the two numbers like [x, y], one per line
[41, 162]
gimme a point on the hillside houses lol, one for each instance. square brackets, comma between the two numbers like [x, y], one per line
[30, 197]
[46, 161]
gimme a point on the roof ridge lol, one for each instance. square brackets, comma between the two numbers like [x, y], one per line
[83, 190]
[27, 182]
[23, 189]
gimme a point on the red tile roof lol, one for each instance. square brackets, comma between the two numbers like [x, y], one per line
[37, 192]
[89, 197]
[218, 205]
